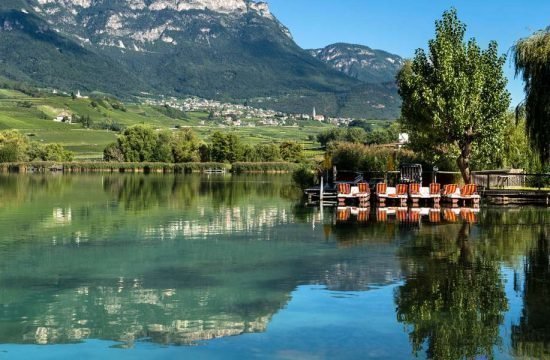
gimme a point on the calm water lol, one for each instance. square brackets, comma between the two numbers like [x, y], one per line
[132, 267]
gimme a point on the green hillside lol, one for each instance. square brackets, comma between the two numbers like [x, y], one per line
[34, 116]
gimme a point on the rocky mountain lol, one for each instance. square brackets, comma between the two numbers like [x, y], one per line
[232, 50]
[361, 62]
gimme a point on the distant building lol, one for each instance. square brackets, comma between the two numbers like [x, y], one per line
[65, 117]
[403, 139]
[79, 96]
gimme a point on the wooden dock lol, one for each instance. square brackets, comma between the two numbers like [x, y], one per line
[517, 197]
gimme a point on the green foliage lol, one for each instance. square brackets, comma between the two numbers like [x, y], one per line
[454, 98]
[9, 153]
[16, 147]
[49, 152]
[363, 124]
[387, 135]
[531, 337]
[162, 152]
[140, 143]
[304, 177]
[113, 153]
[185, 146]
[532, 60]
[454, 301]
[24, 104]
[517, 152]
[225, 147]
[171, 112]
[264, 153]
[292, 151]
[358, 157]
[358, 135]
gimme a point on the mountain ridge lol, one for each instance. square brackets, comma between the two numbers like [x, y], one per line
[242, 53]
[360, 61]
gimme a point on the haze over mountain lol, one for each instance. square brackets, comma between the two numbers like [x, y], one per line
[232, 50]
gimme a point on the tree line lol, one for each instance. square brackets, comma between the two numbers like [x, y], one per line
[16, 147]
[142, 143]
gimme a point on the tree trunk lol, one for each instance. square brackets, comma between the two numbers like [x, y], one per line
[463, 162]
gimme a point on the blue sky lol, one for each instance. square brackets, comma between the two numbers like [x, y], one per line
[401, 26]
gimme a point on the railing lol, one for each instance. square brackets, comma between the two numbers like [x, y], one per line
[490, 180]
[520, 181]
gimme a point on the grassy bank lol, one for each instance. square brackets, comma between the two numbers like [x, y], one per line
[263, 167]
[115, 167]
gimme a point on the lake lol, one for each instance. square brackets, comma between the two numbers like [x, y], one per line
[221, 267]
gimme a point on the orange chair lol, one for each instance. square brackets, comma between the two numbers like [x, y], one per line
[414, 216]
[344, 189]
[450, 216]
[414, 189]
[381, 215]
[435, 216]
[450, 194]
[363, 194]
[469, 193]
[343, 215]
[431, 194]
[381, 193]
[402, 215]
[363, 216]
[468, 216]
[344, 192]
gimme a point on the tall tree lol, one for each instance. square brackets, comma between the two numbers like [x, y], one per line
[453, 300]
[532, 60]
[454, 97]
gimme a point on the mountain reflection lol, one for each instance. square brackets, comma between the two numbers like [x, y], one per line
[182, 259]
[172, 259]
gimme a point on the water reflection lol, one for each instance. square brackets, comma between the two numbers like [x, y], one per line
[453, 299]
[181, 259]
[531, 337]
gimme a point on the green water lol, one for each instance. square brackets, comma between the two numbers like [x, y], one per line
[136, 266]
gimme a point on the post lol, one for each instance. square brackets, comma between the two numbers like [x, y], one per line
[321, 190]
[489, 182]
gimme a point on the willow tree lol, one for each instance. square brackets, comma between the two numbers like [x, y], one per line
[455, 98]
[532, 60]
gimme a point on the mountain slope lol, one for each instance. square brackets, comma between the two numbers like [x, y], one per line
[233, 50]
[31, 52]
[361, 62]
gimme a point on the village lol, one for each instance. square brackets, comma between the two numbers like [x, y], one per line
[242, 115]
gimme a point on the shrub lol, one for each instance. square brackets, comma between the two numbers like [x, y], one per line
[357, 157]
[51, 152]
[292, 151]
[304, 177]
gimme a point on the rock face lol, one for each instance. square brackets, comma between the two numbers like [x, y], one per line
[234, 50]
[361, 62]
[131, 24]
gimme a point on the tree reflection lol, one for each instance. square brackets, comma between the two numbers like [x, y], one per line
[531, 337]
[454, 301]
